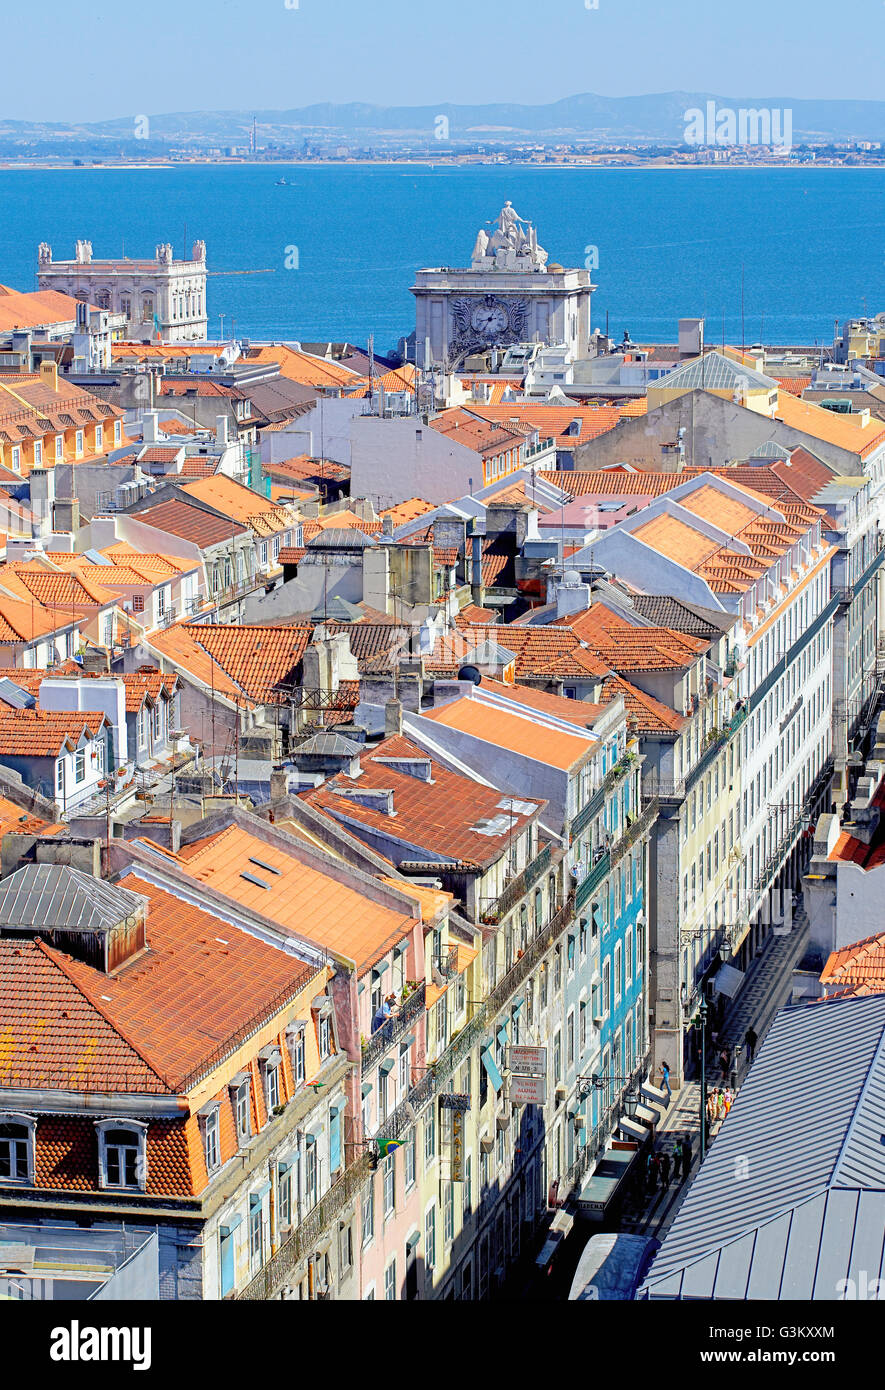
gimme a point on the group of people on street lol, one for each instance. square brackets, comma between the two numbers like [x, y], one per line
[719, 1102]
[669, 1164]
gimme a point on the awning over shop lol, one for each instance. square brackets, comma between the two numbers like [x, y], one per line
[491, 1067]
[653, 1093]
[728, 980]
[644, 1112]
[631, 1128]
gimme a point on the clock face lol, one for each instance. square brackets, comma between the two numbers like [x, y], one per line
[489, 319]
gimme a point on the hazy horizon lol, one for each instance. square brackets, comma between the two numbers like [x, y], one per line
[283, 54]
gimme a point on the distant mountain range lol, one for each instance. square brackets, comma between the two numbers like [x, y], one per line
[645, 119]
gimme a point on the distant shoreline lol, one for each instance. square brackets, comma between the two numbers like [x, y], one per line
[418, 163]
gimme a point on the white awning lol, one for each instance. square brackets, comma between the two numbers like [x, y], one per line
[728, 980]
[632, 1129]
[653, 1093]
[644, 1112]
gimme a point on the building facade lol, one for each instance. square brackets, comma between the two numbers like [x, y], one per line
[164, 298]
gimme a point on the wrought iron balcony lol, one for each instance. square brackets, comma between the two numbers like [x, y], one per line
[394, 1028]
[517, 888]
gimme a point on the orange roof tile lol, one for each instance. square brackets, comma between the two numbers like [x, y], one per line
[441, 816]
[857, 434]
[153, 1021]
[515, 732]
[861, 963]
[300, 898]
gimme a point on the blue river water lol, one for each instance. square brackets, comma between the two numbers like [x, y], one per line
[343, 242]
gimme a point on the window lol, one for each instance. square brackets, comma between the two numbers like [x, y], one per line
[121, 1154]
[211, 1147]
[570, 1039]
[345, 1247]
[242, 1111]
[16, 1147]
[161, 602]
[582, 1028]
[59, 446]
[99, 436]
[297, 1055]
[78, 443]
[272, 1085]
[430, 1238]
[404, 1071]
[284, 1195]
[449, 1214]
[80, 765]
[38, 453]
[369, 1214]
[311, 1173]
[256, 1233]
[262, 552]
[60, 775]
[390, 1282]
[16, 459]
[557, 1056]
[389, 1185]
[409, 1161]
[429, 1138]
[468, 1186]
[325, 1037]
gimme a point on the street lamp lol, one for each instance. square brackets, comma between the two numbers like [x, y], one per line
[700, 1021]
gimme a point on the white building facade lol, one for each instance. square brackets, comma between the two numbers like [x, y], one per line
[163, 298]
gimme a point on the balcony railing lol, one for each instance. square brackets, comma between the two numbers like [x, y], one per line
[625, 764]
[517, 888]
[635, 830]
[405, 1114]
[591, 881]
[304, 1239]
[394, 1028]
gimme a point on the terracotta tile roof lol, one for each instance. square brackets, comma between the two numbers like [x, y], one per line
[849, 432]
[467, 428]
[178, 645]
[409, 510]
[438, 817]
[60, 590]
[849, 849]
[627, 647]
[794, 384]
[156, 453]
[22, 621]
[257, 659]
[497, 562]
[555, 421]
[190, 523]
[343, 520]
[34, 309]
[305, 468]
[470, 614]
[292, 554]
[537, 649]
[196, 467]
[178, 427]
[301, 366]
[301, 898]
[153, 1021]
[581, 713]
[15, 820]
[651, 715]
[612, 482]
[514, 732]
[36, 733]
[861, 963]
[239, 502]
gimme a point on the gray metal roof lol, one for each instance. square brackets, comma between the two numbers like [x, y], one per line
[715, 372]
[51, 896]
[341, 538]
[329, 744]
[791, 1197]
[692, 618]
[14, 695]
[769, 450]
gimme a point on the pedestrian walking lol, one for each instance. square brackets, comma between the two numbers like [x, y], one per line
[677, 1159]
[665, 1171]
[665, 1080]
[723, 1062]
[750, 1039]
[686, 1156]
[651, 1172]
[729, 1099]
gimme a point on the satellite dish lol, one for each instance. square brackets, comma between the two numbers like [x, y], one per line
[470, 673]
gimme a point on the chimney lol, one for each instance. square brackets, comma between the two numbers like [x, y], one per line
[222, 435]
[49, 374]
[41, 484]
[150, 427]
[279, 787]
[572, 596]
[393, 719]
[387, 526]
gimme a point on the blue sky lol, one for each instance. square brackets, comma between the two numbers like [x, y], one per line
[71, 61]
